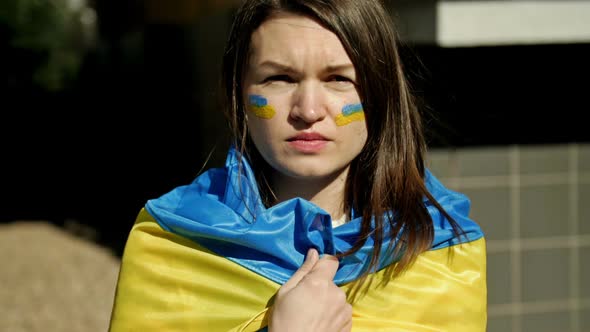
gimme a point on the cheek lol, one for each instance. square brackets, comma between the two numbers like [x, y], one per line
[260, 117]
[263, 131]
[259, 128]
[258, 106]
[358, 132]
[350, 113]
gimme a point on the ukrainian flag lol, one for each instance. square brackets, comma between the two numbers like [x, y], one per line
[350, 113]
[209, 256]
[259, 105]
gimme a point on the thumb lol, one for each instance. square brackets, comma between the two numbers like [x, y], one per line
[325, 268]
[311, 259]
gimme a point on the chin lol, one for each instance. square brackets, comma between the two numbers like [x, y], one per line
[308, 171]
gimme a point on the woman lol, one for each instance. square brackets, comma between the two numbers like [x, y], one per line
[328, 159]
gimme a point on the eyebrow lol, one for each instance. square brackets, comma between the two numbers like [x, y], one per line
[286, 68]
[277, 65]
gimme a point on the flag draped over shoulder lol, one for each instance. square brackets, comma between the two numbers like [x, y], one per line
[209, 256]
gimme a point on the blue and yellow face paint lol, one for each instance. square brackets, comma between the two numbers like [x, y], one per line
[350, 113]
[259, 106]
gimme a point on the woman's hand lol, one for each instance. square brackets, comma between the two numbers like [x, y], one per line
[310, 300]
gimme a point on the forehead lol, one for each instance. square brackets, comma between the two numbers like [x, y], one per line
[289, 32]
[290, 19]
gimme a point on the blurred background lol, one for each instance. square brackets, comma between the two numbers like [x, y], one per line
[107, 104]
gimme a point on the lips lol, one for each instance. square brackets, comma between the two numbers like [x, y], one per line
[308, 143]
[307, 137]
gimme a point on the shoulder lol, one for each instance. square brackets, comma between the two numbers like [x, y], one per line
[458, 206]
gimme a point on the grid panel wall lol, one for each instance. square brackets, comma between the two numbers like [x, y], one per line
[532, 203]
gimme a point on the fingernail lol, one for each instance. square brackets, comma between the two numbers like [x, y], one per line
[310, 252]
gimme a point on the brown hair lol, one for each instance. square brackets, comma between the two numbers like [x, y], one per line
[386, 180]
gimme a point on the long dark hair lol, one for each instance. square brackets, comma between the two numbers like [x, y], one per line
[386, 180]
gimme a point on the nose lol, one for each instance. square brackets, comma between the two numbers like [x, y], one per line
[309, 104]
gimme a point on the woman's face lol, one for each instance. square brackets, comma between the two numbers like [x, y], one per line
[303, 109]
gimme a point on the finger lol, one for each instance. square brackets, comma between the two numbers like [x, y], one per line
[346, 318]
[311, 259]
[347, 327]
[325, 268]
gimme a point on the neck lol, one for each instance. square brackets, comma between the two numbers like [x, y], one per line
[326, 192]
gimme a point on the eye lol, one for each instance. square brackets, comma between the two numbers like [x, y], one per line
[279, 79]
[339, 78]
[340, 81]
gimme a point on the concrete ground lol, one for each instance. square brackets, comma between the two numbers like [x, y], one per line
[54, 279]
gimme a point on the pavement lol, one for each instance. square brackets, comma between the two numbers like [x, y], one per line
[54, 278]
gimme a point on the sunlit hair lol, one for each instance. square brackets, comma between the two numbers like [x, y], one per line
[388, 175]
